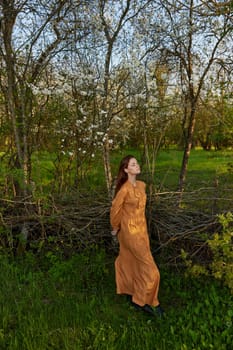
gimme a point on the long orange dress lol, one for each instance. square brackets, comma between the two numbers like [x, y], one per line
[135, 270]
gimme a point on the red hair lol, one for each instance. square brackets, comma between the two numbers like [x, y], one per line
[122, 176]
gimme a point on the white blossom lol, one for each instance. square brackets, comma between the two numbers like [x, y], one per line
[103, 112]
[83, 93]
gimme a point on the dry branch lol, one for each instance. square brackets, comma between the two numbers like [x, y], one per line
[83, 221]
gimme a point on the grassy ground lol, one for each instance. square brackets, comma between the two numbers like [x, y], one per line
[53, 303]
[204, 167]
[48, 302]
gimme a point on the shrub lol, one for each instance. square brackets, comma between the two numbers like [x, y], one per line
[222, 249]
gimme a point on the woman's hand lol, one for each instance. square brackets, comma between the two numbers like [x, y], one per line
[114, 232]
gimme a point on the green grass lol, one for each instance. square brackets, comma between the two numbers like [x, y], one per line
[204, 167]
[49, 302]
[54, 303]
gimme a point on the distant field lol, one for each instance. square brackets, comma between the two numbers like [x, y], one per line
[205, 168]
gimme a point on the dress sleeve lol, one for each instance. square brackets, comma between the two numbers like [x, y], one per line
[116, 209]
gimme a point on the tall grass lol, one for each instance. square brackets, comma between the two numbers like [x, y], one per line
[69, 304]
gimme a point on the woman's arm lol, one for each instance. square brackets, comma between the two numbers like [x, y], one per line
[116, 210]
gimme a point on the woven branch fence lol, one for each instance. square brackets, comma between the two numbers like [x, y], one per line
[79, 221]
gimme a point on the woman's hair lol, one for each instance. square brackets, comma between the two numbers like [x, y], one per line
[122, 176]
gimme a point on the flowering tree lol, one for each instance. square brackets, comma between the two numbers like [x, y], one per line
[31, 34]
[114, 22]
[104, 71]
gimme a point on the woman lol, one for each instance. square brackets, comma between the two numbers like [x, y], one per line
[136, 272]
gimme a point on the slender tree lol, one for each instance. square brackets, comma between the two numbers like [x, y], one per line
[196, 37]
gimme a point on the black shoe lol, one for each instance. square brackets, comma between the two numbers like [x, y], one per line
[129, 298]
[136, 306]
[159, 311]
[146, 308]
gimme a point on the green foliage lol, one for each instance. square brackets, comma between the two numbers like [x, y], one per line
[91, 261]
[221, 246]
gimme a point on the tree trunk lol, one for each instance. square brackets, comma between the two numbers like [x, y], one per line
[107, 167]
[187, 150]
[14, 106]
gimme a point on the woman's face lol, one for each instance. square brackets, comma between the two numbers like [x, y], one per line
[133, 167]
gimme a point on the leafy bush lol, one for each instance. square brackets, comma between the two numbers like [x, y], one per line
[221, 246]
